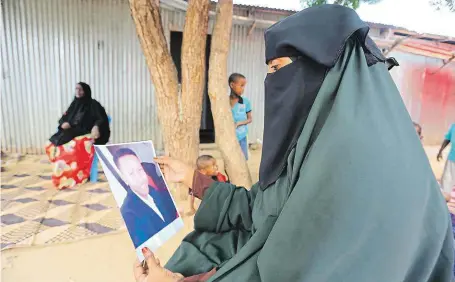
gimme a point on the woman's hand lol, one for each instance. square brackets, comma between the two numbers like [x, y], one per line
[154, 272]
[176, 171]
[95, 134]
[65, 125]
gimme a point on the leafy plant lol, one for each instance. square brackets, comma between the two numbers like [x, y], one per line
[439, 4]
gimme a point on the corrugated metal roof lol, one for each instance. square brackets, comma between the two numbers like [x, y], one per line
[265, 7]
[241, 4]
[381, 25]
[398, 30]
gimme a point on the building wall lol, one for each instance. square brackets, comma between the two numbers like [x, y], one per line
[429, 93]
[50, 45]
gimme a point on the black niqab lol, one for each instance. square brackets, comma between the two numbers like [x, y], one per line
[80, 106]
[82, 115]
[309, 35]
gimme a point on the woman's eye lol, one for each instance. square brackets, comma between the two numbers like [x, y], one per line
[273, 68]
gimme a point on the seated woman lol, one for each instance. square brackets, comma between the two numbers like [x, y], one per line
[345, 190]
[70, 149]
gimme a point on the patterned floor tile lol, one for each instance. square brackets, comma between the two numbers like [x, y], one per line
[45, 177]
[51, 222]
[6, 245]
[33, 210]
[96, 228]
[112, 220]
[98, 191]
[35, 213]
[35, 188]
[10, 219]
[109, 202]
[21, 175]
[26, 200]
[96, 207]
[68, 190]
[7, 186]
[71, 234]
[25, 231]
[60, 202]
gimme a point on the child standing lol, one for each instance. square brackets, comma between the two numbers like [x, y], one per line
[241, 110]
[448, 176]
[206, 165]
[418, 129]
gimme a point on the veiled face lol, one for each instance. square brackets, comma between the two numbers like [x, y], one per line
[79, 91]
[278, 63]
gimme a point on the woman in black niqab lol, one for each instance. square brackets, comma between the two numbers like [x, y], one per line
[85, 115]
[70, 149]
[345, 189]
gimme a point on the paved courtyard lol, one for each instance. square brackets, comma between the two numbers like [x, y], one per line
[74, 235]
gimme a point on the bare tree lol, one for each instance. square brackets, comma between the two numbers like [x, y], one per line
[226, 140]
[179, 111]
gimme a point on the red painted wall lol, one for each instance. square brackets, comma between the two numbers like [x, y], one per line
[433, 101]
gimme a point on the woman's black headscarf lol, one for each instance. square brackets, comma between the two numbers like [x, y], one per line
[80, 106]
[82, 115]
[317, 48]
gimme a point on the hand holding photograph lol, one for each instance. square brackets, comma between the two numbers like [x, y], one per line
[141, 192]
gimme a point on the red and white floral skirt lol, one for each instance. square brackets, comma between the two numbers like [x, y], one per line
[71, 162]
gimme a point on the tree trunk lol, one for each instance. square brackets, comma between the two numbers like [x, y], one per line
[236, 165]
[193, 79]
[179, 113]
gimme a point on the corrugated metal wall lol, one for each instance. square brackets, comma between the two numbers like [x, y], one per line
[49, 45]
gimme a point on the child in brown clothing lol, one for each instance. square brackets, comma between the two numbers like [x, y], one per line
[206, 165]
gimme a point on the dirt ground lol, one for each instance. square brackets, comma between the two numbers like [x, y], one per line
[101, 259]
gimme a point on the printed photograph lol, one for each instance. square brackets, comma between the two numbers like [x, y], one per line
[141, 193]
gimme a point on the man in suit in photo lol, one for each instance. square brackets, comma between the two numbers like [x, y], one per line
[148, 206]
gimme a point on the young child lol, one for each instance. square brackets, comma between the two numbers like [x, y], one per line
[418, 129]
[206, 165]
[241, 109]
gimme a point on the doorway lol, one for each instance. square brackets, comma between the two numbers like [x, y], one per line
[207, 130]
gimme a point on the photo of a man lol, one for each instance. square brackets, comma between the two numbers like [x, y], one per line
[148, 206]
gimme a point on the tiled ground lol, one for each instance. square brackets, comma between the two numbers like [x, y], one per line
[34, 213]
